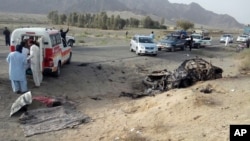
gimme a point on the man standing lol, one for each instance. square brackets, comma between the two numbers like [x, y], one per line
[226, 41]
[248, 41]
[34, 59]
[6, 33]
[126, 34]
[63, 35]
[17, 70]
[152, 35]
[190, 43]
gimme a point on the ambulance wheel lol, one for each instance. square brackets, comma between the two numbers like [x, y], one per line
[57, 73]
[69, 60]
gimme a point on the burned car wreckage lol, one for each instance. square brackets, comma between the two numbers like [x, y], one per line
[187, 74]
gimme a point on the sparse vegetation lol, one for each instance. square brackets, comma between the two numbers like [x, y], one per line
[101, 21]
[244, 57]
[104, 42]
[185, 25]
[81, 41]
[99, 35]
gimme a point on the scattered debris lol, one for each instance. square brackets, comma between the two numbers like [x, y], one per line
[133, 95]
[99, 67]
[61, 114]
[141, 69]
[187, 74]
[96, 98]
[22, 101]
[208, 89]
[83, 64]
[45, 120]
[53, 101]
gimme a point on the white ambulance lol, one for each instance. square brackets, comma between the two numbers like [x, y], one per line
[53, 55]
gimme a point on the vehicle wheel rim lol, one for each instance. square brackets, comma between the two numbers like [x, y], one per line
[137, 51]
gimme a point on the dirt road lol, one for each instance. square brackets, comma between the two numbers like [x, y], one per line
[94, 80]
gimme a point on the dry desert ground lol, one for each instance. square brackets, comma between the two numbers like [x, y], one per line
[176, 115]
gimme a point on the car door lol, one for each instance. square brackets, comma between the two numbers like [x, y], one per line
[179, 42]
[133, 43]
[65, 50]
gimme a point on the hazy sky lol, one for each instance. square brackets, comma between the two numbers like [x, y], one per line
[239, 9]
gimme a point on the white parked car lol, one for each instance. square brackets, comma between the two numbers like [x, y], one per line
[201, 41]
[242, 38]
[70, 40]
[223, 38]
[142, 44]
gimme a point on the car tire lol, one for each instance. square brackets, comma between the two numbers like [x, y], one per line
[137, 52]
[154, 54]
[69, 59]
[198, 45]
[57, 73]
[131, 50]
[183, 47]
[172, 49]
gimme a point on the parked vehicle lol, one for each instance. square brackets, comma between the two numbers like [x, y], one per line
[172, 43]
[187, 74]
[70, 40]
[242, 38]
[223, 38]
[200, 40]
[142, 44]
[53, 55]
[179, 33]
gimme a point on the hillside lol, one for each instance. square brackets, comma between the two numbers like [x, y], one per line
[160, 8]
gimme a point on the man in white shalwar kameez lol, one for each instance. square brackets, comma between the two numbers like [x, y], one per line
[226, 41]
[17, 70]
[34, 59]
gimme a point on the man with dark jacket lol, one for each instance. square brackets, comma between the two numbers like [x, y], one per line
[63, 35]
[191, 43]
[248, 41]
[6, 33]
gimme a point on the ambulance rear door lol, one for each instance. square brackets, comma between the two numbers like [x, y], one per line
[41, 43]
[65, 52]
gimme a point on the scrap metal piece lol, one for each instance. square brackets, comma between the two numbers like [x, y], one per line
[188, 73]
[23, 100]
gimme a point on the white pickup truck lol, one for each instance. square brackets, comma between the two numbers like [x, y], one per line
[70, 40]
[201, 41]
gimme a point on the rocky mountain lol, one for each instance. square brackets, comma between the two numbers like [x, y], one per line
[160, 8]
